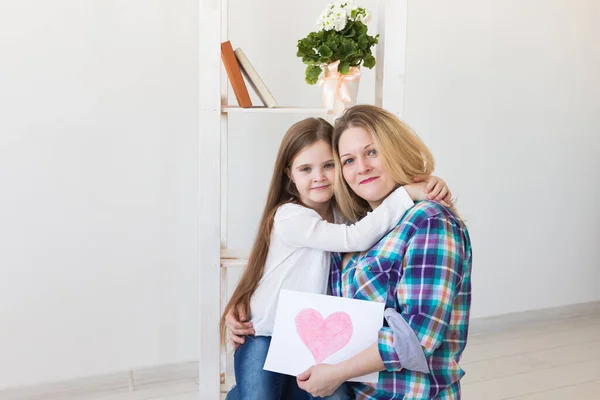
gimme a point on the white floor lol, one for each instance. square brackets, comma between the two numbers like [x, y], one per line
[548, 360]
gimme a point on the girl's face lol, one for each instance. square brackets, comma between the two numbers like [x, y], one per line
[313, 172]
[362, 167]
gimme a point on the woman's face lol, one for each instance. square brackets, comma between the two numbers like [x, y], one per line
[362, 168]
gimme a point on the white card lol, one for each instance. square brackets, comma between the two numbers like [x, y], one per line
[311, 329]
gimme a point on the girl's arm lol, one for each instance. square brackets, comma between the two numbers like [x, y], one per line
[304, 227]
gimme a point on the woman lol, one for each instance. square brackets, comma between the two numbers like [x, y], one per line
[421, 270]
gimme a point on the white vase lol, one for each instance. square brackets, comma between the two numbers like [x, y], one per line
[339, 91]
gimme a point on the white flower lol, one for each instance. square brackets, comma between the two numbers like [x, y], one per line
[339, 17]
[364, 17]
[339, 13]
[328, 25]
[336, 15]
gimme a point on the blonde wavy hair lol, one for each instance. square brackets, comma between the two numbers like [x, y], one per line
[403, 154]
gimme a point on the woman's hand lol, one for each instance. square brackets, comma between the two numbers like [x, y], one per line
[320, 380]
[238, 328]
[430, 188]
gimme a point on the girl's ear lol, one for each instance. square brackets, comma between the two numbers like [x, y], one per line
[289, 174]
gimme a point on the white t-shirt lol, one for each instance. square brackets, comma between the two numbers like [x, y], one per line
[299, 258]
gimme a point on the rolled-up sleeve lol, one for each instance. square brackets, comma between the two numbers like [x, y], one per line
[385, 345]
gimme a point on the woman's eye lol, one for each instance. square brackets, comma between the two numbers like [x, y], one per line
[372, 152]
[348, 161]
[330, 165]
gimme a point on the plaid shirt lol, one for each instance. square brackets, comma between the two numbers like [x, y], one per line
[423, 270]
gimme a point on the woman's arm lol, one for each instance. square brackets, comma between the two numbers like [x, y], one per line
[432, 276]
[430, 282]
[323, 379]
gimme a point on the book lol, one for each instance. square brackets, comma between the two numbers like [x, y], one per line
[235, 75]
[254, 79]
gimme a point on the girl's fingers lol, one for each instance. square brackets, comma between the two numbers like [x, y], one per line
[431, 183]
[242, 332]
[435, 191]
[236, 339]
[442, 194]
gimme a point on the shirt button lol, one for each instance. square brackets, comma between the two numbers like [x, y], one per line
[369, 268]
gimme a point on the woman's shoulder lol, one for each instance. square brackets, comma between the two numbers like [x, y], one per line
[395, 242]
[424, 210]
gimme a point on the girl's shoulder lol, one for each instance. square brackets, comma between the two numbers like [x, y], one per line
[292, 210]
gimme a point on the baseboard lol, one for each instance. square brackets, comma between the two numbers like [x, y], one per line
[119, 382]
[533, 318]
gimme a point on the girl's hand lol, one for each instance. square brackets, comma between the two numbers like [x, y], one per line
[320, 380]
[238, 329]
[430, 188]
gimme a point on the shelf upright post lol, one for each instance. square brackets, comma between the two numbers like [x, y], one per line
[209, 176]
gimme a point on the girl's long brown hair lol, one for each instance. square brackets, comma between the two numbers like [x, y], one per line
[281, 190]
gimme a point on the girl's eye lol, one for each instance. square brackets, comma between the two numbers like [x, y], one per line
[348, 161]
[305, 169]
[330, 165]
[372, 152]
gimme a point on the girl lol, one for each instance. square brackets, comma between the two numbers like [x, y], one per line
[291, 249]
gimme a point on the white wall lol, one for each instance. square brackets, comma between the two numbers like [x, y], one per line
[506, 94]
[98, 160]
[98, 183]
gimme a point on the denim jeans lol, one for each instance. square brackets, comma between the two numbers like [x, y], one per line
[254, 383]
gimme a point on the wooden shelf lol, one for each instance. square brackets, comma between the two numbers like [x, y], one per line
[235, 253]
[276, 110]
[233, 262]
[234, 258]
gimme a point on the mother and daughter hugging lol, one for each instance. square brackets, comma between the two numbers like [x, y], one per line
[353, 211]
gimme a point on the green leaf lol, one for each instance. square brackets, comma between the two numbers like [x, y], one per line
[369, 61]
[312, 74]
[308, 59]
[348, 47]
[350, 33]
[325, 51]
[363, 42]
[360, 27]
[344, 68]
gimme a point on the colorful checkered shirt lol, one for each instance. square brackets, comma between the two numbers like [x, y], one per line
[423, 270]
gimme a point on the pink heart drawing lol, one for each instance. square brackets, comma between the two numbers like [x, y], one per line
[323, 337]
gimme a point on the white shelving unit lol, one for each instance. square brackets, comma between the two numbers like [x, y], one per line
[215, 258]
[274, 110]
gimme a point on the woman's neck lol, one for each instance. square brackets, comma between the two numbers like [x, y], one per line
[375, 204]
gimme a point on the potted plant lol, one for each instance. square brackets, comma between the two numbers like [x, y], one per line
[338, 48]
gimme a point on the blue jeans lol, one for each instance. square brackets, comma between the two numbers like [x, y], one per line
[254, 383]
